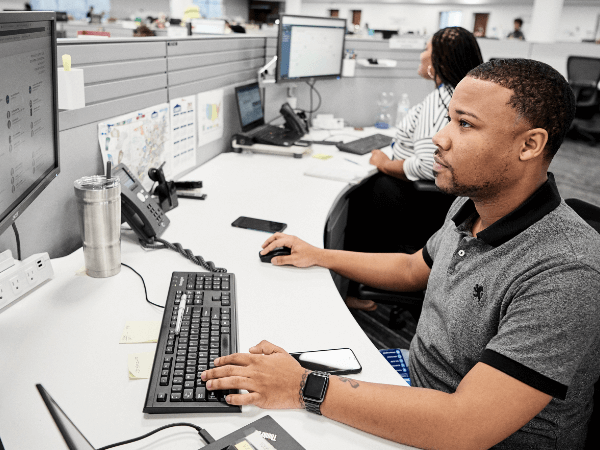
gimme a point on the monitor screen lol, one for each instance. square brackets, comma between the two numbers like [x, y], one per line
[249, 104]
[310, 47]
[28, 95]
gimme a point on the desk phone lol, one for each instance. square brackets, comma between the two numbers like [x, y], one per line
[138, 209]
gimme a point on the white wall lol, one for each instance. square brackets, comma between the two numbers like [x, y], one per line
[234, 9]
[125, 9]
[578, 22]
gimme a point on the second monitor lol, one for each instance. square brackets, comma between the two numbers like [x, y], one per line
[310, 47]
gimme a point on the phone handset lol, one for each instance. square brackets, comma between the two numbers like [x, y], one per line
[292, 121]
[143, 214]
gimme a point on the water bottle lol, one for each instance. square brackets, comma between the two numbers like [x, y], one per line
[384, 118]
[403, 107]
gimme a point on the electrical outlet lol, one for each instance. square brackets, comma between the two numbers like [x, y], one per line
[22, 277]
[30, 275]
[15, 283]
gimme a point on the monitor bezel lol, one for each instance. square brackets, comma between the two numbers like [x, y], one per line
[36, 190]
[337, 76]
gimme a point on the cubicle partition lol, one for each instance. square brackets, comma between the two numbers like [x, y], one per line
[125, 75]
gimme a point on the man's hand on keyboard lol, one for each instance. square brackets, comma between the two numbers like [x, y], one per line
[271, 376]
[303, 254]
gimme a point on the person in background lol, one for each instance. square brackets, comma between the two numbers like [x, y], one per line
[143, 31]
[507, 349]
[90, 12]
[387, 213]
[517, 33]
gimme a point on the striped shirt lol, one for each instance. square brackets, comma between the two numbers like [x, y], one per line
[413, 141]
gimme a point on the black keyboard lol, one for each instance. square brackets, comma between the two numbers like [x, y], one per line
[366, 145]
[208, 330]
[276, 136]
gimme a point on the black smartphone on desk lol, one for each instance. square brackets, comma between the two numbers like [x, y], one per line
[258, 224]
[339, 361]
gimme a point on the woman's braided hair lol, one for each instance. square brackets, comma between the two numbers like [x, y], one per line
[454, 51]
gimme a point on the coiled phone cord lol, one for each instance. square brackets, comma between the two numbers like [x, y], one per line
[158, 243]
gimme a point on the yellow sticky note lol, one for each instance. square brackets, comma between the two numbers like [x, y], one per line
[244, 445]
[140, 332]
[140, 365]
[66, 59]
[322, 156]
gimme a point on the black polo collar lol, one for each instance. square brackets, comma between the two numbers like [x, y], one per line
[541, 202]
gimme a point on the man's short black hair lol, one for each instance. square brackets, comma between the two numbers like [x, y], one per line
[519, 21]
[541, 95]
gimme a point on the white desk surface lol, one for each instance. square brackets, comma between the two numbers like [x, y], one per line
[65, 334]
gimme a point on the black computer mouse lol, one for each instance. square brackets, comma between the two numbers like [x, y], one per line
[279, 251]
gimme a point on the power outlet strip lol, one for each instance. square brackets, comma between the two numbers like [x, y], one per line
[23, 276]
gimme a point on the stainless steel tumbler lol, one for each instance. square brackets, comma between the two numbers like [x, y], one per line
[99, 211]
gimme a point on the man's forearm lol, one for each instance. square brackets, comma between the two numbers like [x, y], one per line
[390, 271]
[424, 418]
[395, 168]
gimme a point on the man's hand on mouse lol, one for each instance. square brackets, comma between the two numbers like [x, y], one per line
[270, 375]
[303, 254]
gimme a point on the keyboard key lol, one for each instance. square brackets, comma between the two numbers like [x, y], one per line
[200, 394]
[164, 381]
[225, 345]
[161, 397]
[177, 380]
[212, 397]
[189, 385]
[176, 388]
[188, 395]
[176, 396]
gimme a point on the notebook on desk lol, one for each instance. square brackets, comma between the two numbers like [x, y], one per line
[250, 110]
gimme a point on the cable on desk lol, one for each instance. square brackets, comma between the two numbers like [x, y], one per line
[145, 290]
[196, 259]
[202, 432]
[14, 227]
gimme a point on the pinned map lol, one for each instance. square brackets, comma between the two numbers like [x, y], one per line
[141, 140]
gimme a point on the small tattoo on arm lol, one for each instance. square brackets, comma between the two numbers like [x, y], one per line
[302, 384]
[352, 382]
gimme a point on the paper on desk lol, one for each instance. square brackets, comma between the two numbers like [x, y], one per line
[139, 332]
[341, 169]
[140, 365]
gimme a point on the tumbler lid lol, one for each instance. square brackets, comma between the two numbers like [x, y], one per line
[97, 183]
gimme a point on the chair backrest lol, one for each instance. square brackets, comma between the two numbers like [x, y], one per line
[583, 70]
[591, 214]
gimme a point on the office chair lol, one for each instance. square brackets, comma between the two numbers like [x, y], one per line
[584, 75]
[413, 301]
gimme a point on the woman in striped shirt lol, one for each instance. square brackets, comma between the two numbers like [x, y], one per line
[387, 213]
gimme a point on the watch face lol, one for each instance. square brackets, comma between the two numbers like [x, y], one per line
[315, 387]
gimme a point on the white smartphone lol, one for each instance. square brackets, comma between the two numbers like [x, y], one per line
[340, 361]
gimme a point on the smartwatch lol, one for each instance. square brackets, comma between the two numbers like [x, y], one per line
[314, 391]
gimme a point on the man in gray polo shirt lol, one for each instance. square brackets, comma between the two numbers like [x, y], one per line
[507, 349]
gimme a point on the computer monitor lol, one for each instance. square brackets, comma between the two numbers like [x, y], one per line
[29, 155]
[310, 47]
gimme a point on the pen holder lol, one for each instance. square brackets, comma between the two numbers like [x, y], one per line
[348, 67]
[71, 93]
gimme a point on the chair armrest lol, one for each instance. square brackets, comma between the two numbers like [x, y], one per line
[425, 185]
[390, 297]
